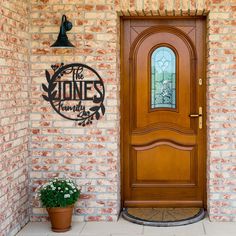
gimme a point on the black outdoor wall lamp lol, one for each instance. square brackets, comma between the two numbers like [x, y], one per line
[62, 39]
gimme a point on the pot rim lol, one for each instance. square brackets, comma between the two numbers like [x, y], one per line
[60, 208]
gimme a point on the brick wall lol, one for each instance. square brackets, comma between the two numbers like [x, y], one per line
[91, 154]
[221, 97]
[14, 115]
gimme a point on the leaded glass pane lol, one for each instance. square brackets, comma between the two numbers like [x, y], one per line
[163, 78]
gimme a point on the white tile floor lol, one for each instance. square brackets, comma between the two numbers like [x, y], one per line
[124, 228]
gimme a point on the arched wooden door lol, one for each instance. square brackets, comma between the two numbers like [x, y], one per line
[163, 113]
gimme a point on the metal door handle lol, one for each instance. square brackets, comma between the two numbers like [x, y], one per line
[199, 115]
[195, 115]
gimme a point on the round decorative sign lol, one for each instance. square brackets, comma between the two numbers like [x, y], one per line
[76, 92]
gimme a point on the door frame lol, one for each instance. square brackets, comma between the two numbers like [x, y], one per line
[122, 95]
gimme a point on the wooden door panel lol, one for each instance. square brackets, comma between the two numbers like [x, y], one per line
[153, 164]
[163, 148]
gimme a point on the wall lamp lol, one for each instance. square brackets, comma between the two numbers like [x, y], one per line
[62, 39]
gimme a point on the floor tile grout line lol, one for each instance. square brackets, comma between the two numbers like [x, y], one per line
[142, 232]
[85, 223]
[204, 228]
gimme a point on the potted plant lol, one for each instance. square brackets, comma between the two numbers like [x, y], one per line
[59, 197]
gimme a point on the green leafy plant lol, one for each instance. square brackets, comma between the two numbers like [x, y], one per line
[59, 193]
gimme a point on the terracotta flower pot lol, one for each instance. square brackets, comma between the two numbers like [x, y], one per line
[60, 218]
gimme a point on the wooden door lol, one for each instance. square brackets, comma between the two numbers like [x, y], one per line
[163, 113]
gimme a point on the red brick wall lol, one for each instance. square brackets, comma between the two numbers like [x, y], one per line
[91, 154]
[221, 95]
[14, 115]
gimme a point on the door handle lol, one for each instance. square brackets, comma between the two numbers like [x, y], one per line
[195, 115]
[199, 116]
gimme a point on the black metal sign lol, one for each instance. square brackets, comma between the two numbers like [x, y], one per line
[76, 92]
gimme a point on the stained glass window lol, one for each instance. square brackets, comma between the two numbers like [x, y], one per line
[163, 78]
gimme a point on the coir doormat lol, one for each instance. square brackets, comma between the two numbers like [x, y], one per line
[164, 217]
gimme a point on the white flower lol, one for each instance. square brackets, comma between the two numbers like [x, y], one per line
[75, 190]
[59, 188]
[67, 196]
[70, 192]
[66, 189]
[45, 185]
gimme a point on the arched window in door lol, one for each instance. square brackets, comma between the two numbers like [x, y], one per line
[163, 78]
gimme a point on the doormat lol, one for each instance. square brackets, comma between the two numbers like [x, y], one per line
[164, 217]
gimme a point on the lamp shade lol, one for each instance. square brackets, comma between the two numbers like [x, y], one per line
[62, 39]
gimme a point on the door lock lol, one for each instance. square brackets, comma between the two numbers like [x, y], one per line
[199, 116]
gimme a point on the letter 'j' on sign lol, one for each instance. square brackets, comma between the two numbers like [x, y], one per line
[76, 92]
